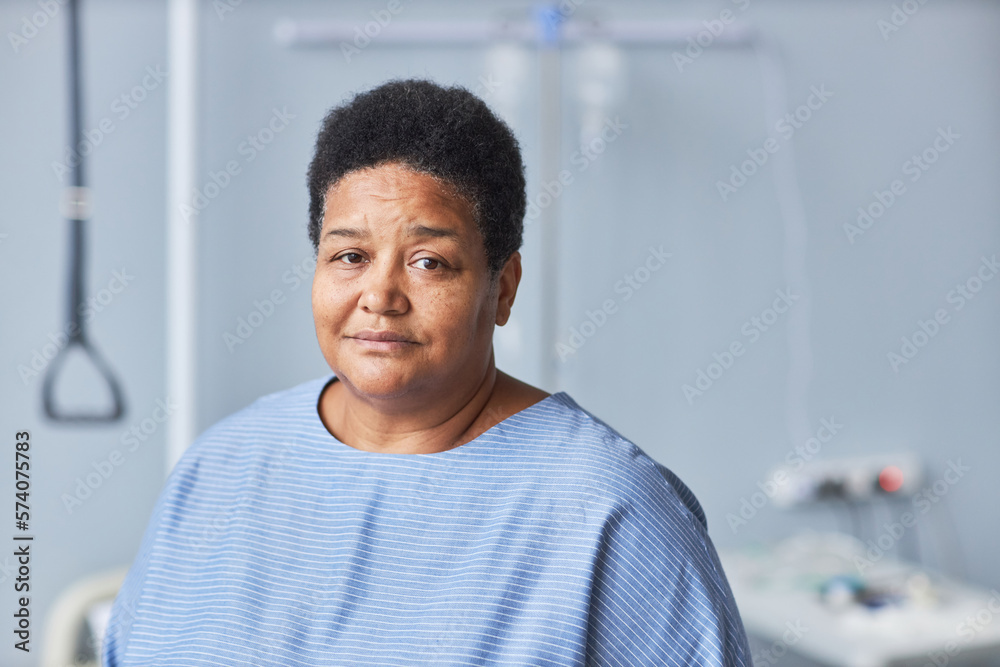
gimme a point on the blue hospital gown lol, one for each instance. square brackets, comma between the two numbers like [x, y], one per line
[548, 540]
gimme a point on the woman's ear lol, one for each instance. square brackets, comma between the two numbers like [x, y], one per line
[509, 278]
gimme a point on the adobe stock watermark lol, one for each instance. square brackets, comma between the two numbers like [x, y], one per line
[773, 653]
[223, 7]
[220, 180]
[31, 25]
[914, 168]
[705, 38]
[795, 459]
[752, 329]
[121, 108]
[363, 35]
[8, 569]
[927, 329]
[263, 309]
[219, 523]
[131, 440]
[923, 502]
[582, 158]
[562, 518]
[899, 17]
[434, 480]
[124, 615]
[447, 640]
[629, 284]
[556, 15]
[967, 630]
[786, 127]
[88, 310]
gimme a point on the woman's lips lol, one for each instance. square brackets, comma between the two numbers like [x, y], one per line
[383, 341]
[382, 345]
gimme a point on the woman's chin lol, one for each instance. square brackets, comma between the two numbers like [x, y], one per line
[380, 382]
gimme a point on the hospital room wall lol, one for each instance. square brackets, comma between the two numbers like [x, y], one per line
[654, 185]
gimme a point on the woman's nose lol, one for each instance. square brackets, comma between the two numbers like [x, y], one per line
[384, 290]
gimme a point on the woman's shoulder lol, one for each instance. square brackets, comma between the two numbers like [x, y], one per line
[272, 415]
[624, 468]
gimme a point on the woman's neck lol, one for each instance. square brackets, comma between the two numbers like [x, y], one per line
[415, 425]
[438, 424]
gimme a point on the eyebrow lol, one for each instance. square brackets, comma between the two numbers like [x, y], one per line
[415, 230]
[434, 232]
[349, 232]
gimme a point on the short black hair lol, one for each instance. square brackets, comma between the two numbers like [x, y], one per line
[446, 132]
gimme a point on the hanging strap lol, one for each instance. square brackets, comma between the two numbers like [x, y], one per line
[76, 208]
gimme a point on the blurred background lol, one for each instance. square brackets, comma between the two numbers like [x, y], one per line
[761, 242]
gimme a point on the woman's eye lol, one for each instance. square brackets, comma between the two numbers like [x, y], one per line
[350, 258]
[428, 263]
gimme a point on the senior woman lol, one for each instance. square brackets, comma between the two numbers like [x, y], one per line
[418, 506]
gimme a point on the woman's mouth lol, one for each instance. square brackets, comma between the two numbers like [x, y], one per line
[382, 341]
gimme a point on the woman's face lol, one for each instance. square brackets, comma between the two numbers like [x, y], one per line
[401, 258]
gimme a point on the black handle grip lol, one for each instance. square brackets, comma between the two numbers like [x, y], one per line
[48, 387]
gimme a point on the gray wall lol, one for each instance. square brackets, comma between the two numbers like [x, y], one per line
[655, 184]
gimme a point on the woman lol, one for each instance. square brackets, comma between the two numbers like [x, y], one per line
[418, 506]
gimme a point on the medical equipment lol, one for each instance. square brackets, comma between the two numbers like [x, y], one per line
[833, 599]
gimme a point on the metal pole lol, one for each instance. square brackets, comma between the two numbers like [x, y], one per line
[182, 47]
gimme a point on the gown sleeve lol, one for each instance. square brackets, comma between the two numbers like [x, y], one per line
[659, 595]
[128, 603]
[125, 606]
